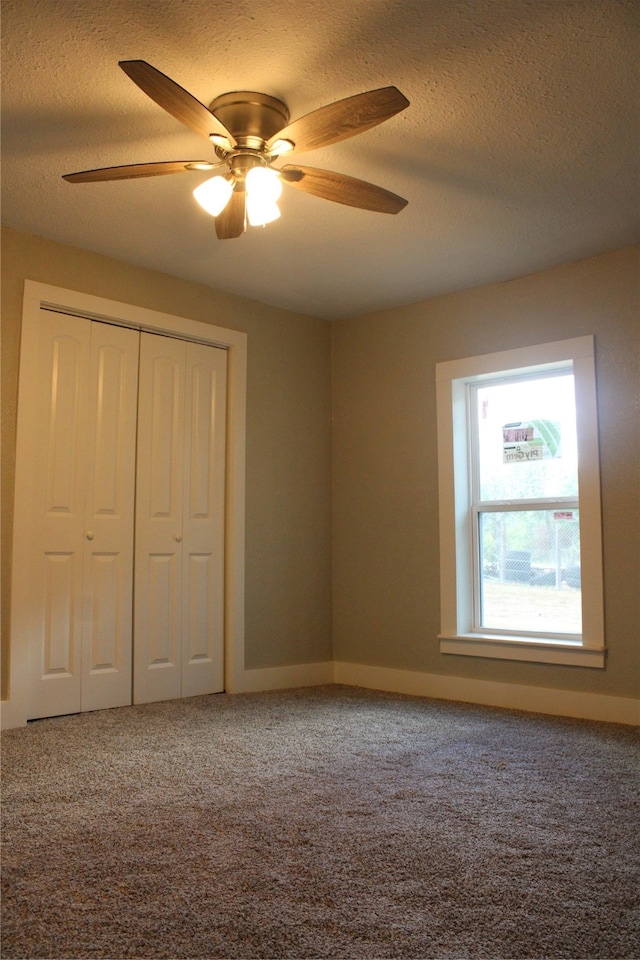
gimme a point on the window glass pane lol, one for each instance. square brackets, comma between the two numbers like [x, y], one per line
[527, 439]
[530, 571]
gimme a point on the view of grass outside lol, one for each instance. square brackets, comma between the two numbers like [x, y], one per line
[518, 606]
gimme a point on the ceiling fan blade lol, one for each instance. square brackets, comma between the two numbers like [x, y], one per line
[174, 99]
[342, 189]
[231, 222]
[133, 171]
[342, 119]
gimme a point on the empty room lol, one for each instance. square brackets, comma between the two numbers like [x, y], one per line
[320, 479]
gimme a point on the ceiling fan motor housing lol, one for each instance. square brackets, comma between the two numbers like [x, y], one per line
[251, 118]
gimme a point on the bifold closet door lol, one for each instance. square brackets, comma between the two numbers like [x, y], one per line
[179, 554]
[107, 632]
[74, 512]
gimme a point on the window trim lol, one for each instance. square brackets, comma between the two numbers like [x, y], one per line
[454, 481]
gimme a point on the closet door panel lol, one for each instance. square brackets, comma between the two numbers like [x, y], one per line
[108, 543]
[59, 651]
[203, 545]
[50, 479]
[159, 521]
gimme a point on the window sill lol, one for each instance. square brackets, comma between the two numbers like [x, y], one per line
[516, 648]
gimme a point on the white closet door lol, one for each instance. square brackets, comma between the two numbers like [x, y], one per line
[52, 384]
[55, 603]
[203, 541]
[178, 626]
[107, 632]
[158, 554]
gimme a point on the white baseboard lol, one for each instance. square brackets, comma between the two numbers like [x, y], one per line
[11, 716]
[562, 703]
[280, 678]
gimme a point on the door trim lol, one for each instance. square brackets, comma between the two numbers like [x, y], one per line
[43, 297]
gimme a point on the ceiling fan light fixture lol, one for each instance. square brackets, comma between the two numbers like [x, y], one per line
[261, 212]
[214, 194]
[263, 191]
[218, 140]
[248, 130]
[281, 146]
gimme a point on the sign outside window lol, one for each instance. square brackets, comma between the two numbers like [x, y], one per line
[530, 440]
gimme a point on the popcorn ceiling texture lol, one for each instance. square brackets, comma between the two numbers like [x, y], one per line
[519, 150]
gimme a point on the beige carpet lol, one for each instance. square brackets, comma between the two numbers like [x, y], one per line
[331, 822]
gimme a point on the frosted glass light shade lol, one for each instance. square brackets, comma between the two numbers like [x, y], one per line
[260, 212]
[213, 195]
[263, 190]
[282, 146]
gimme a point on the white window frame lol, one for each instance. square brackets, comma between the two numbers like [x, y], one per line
[457, 635]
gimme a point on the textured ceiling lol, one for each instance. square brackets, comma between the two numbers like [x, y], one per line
[519, 149]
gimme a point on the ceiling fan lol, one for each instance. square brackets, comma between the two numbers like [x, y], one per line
[248, 132]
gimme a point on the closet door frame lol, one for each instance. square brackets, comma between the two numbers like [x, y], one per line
[42, 299]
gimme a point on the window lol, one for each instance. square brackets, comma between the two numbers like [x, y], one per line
[520, 529]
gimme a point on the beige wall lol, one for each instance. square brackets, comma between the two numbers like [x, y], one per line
[385, 516]
[385, 526]
[288, 546]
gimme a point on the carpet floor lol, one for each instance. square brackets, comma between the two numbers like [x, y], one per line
[329, 822]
